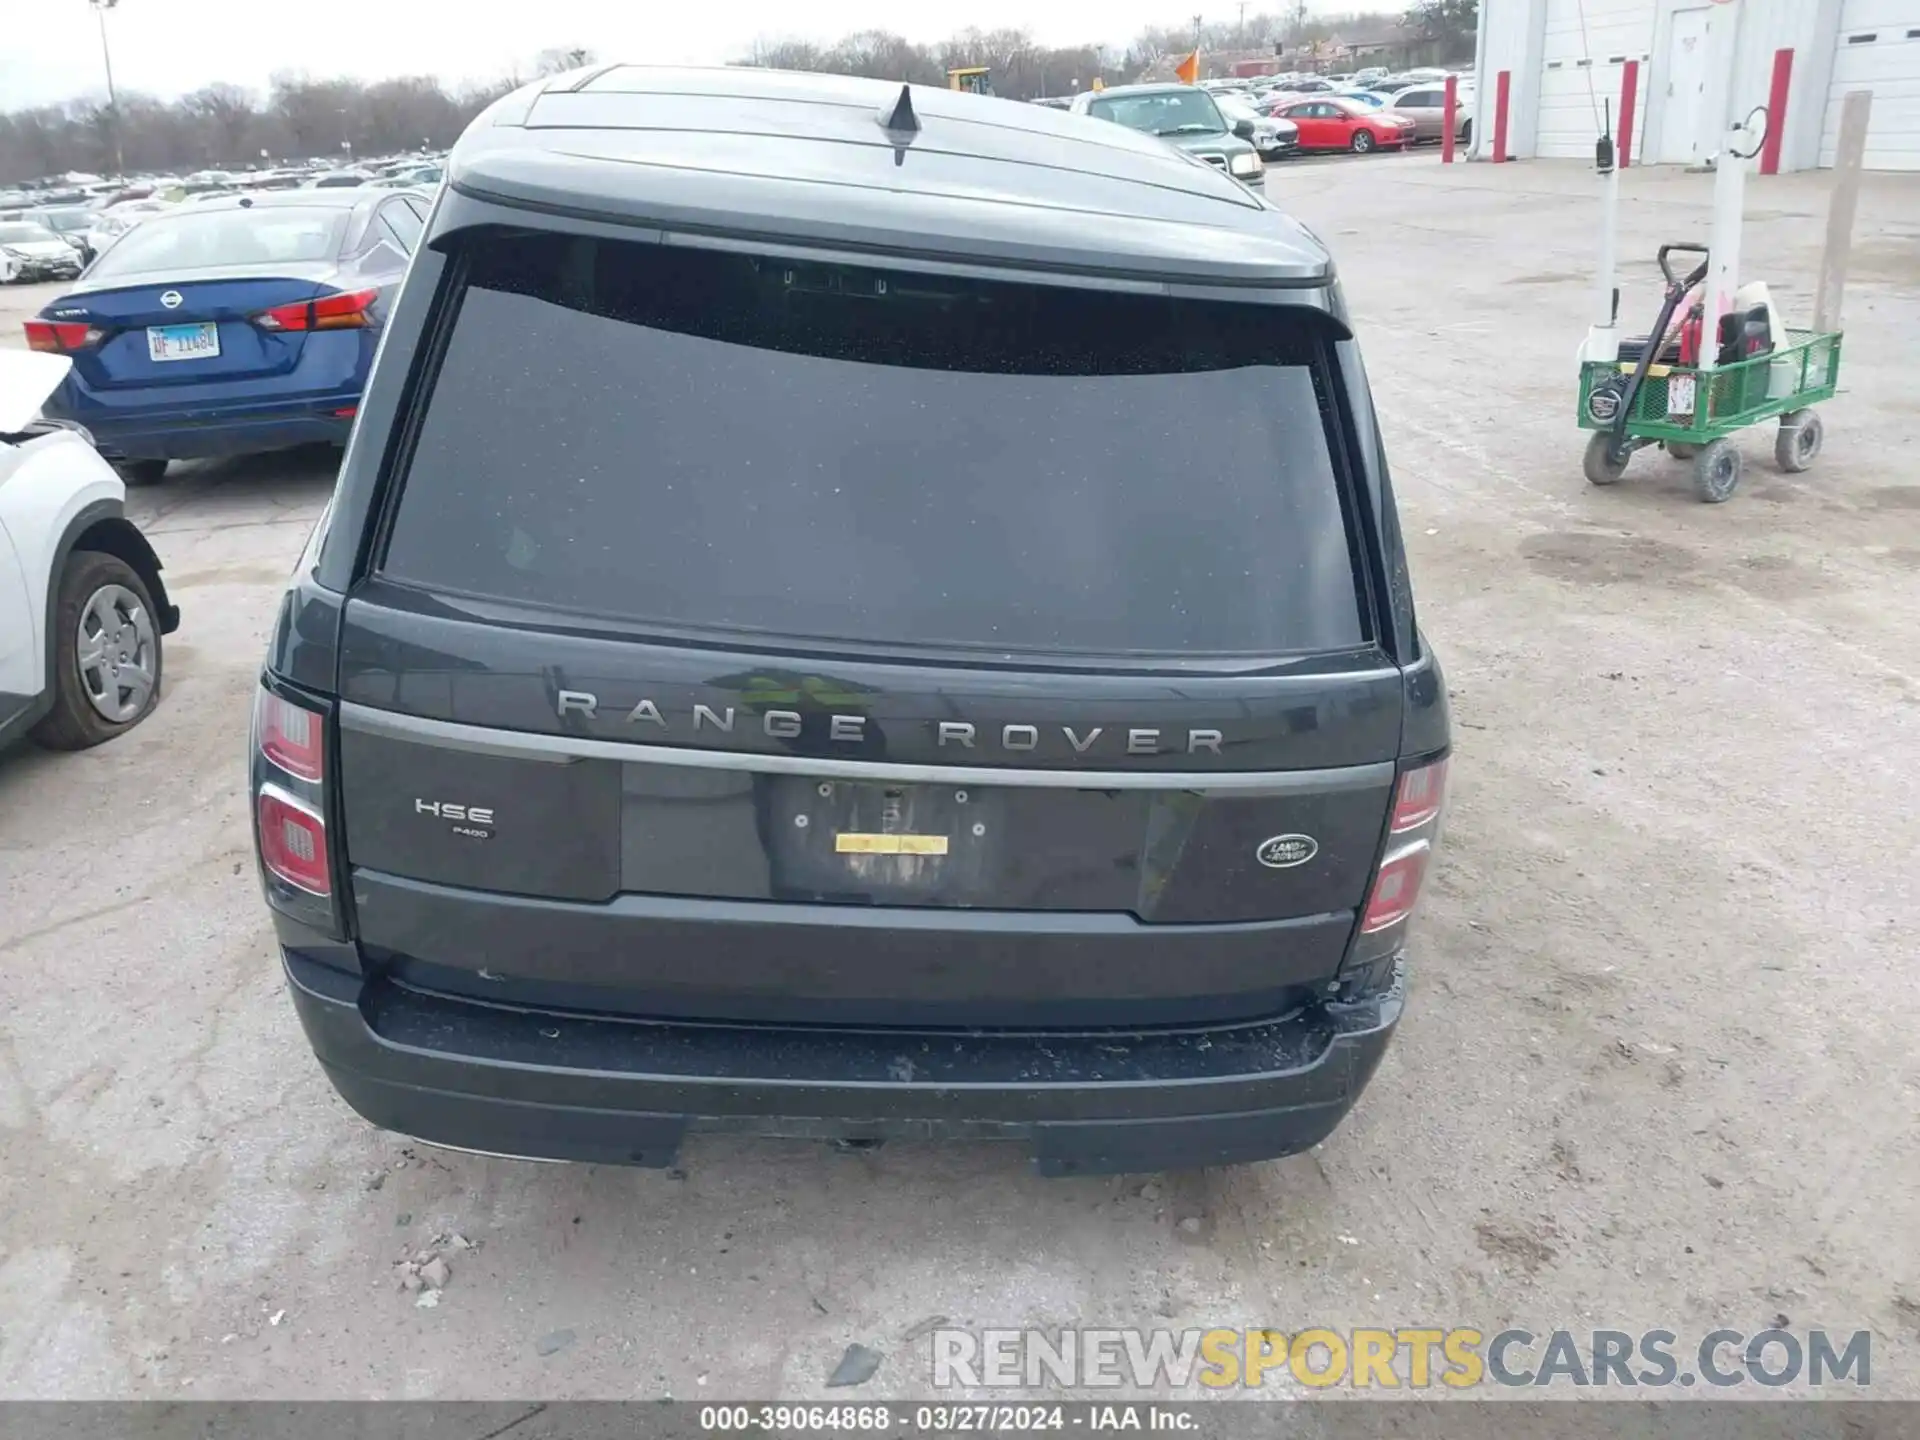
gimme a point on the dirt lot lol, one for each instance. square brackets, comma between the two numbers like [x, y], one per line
[1659, 1069]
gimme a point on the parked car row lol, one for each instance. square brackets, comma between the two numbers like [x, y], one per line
[1415, 95]
[1307, 82]
[1207, 120]
[86, 219]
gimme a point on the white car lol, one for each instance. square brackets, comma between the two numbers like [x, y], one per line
[30, 251]
[82, 606]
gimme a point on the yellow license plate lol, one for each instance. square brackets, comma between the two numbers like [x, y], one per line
[854, 843]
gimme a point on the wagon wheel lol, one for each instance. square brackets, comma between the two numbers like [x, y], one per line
[1600, 467]
[1798, 442]
[1716, 472]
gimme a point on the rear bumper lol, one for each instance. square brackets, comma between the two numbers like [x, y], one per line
[206, 431]
[569, 1087]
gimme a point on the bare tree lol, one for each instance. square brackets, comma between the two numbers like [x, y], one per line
[786, 55]
[563, 58]
[225, 117]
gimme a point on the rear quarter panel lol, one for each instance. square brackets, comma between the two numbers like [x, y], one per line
[56, 479]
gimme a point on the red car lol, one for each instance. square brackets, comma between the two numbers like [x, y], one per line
[1331, 122]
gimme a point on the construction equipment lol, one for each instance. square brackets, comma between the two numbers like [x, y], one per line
[974, 79]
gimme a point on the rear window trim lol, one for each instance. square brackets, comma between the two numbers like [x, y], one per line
[477, 208]
[1325, 369]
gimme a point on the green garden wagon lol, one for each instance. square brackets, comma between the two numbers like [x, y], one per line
[1692, 413]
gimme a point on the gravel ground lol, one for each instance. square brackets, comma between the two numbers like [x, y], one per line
[1658, 1070]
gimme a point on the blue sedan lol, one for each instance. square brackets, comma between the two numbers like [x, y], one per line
[242, 324]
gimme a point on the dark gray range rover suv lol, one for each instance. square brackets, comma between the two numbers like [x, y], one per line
[851, 613]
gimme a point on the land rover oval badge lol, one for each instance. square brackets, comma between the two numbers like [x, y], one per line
[1283, 852]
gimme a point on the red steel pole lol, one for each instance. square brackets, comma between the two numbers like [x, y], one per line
[1500, 92]
[1629, 93]
[1450, 119]
[1776, 111]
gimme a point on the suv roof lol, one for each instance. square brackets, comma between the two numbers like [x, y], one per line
[777, 153]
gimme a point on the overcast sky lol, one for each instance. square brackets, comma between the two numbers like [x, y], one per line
[168, 47]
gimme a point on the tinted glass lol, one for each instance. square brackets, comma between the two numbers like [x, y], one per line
[710, 443]
[1164, 112]
[276, 235]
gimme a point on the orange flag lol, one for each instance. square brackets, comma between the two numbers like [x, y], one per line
[1188, 70]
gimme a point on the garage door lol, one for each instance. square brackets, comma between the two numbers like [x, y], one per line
[1587, 42]
[1878, 49]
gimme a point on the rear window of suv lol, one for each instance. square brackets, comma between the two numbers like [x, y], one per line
[709, 443]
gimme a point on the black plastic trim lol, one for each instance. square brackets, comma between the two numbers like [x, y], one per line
[20, 713]
[787, 962]
[543, 1086]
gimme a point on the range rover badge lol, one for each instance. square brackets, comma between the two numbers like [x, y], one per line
[1283, 852]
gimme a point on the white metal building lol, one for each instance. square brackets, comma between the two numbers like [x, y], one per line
[1566, 58]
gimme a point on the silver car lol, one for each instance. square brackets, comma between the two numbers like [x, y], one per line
[1426, 106]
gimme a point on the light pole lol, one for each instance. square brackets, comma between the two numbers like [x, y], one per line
[100, 8]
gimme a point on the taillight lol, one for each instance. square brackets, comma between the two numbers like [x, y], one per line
[1396, 888]
[61, 337]
[289, 736]
[293, 842]
[289, 775]
[1412, 829]
[1418, 797]
[347, 311]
